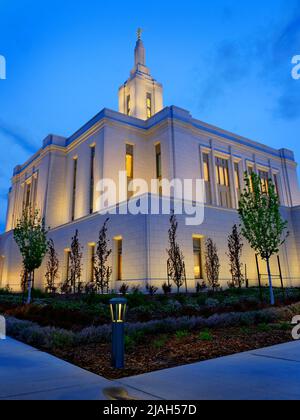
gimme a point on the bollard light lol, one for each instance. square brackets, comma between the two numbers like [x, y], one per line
[118, 309]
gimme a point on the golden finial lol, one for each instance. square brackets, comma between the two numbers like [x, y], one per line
[139, 33]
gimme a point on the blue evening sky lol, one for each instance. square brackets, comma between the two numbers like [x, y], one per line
[228, 62]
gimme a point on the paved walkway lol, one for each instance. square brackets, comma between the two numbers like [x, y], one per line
[267, 374]
[28, 374]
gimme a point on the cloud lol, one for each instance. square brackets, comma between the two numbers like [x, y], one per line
[266, 57]
[286, 44]
[18, 138]
[227, 67]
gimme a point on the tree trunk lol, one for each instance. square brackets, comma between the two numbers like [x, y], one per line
[29, 288]
[270, 283]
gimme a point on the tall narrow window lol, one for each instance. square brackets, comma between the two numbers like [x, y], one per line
[35, 186]
[92, 180]
[197, 258]
[149, 105]
[1, 268]
[264, 181]
[250, 172]
[67, 264]
[129, 168]
[27, 203]
[119, 248]
[128, 105]
[223, 182]
[276, 185]
[75, 163]
[206, 176]
[237, 179]
[92, 249]
[158, 166]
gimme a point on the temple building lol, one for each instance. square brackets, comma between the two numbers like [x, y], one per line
[147, 141]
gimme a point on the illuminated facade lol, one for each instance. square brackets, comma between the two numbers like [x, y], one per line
[146, 141]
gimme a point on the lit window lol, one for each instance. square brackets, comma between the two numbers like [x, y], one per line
[206, 168]
[119, 249]
[67, 264]
[35, 187]
[158, 162]
[250, 172]
[74, 189]
[92, 248]
[206, 175]
[276, 185]
[197, 258]
[27, 197]
[92, 180]
[237, 176]
[129, 168]
[264, 181]
[2, 259]
[223, 182]
[149, 105]
[237, 179]
[158, 166]
[128, 105]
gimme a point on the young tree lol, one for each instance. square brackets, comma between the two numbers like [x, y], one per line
[30, 235]
[212, 264]
[52, 268]
[235, 249]
[102, 270]
[262, 223]
[24, 282]
[176, 265]
[75, 264]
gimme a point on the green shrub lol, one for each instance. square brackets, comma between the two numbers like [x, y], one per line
[62, 339]
[245, 330]
[205, 336]
[212, 303]
[129, 343]
[136, 299]
[134, 339]
[282, 326]
[264, 328]
[5, 291]
[160, 342]
[181, 334]
[231, 301]
[38, 294]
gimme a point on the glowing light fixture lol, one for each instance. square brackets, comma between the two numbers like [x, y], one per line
[118, 308]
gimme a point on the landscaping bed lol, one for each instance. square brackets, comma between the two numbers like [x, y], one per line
[167, 351]
[75, 313]
[160, 344]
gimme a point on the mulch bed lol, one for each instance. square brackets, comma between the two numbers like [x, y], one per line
[146, 357]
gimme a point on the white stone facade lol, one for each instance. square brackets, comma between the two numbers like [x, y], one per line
[189, 149]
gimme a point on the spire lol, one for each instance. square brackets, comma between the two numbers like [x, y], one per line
[141, 96]
[139, 52]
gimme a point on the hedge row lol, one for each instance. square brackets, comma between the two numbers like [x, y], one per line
[51, 338]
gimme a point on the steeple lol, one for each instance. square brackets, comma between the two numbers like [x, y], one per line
[139, 52]
[141, 96]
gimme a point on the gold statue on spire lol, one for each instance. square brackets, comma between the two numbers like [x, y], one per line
[139, 33]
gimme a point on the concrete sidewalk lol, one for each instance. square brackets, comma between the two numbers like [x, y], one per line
[28, 374]
[267, 374]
